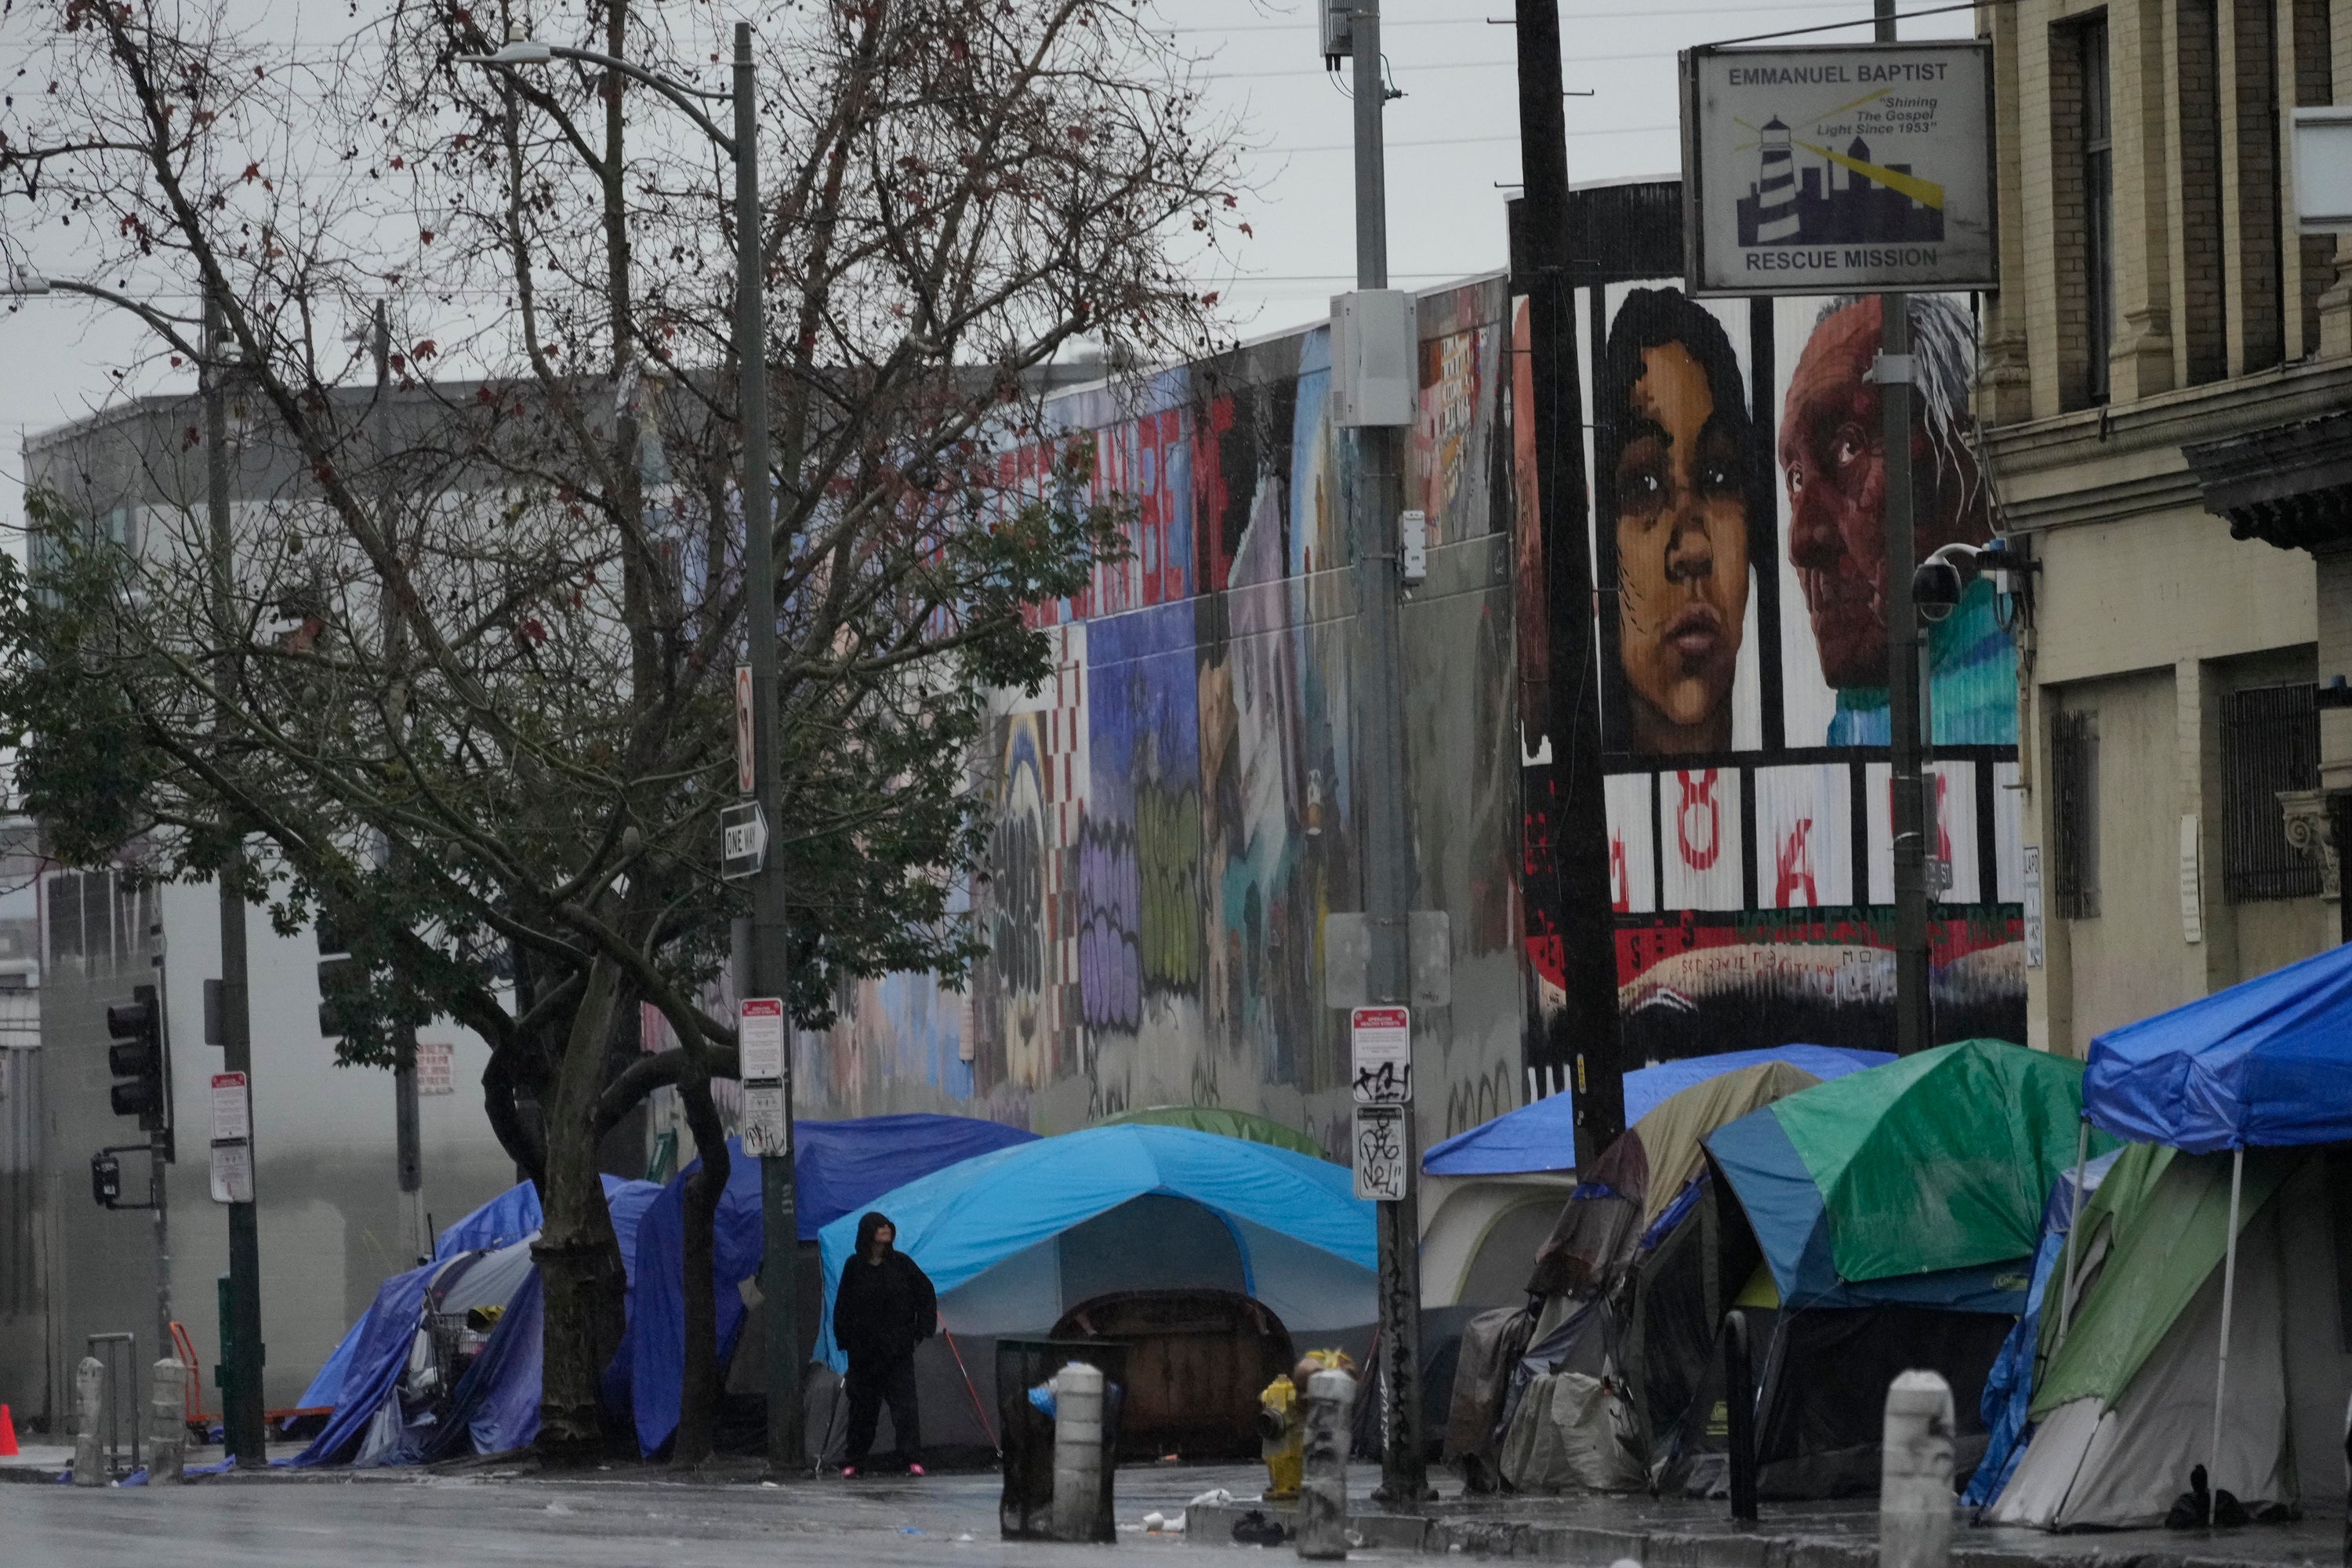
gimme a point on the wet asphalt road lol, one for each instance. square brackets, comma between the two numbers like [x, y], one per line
[482, 1523]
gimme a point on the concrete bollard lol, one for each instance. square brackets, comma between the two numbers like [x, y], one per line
[90, 1403]
[1322, 1532]
[1077, 1452]
[1915, 1477]
[167, 1430]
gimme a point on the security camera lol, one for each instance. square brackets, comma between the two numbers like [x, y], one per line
[1941, 579]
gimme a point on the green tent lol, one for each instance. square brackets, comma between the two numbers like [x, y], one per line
[1941, 1160]
[1224, 1124]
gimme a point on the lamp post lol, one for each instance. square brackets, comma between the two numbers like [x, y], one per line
[242, 1419]
[770, 959]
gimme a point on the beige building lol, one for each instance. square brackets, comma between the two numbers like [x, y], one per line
[2166, 397]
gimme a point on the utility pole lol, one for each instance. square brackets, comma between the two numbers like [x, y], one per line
[771, 949]
[1388, 860]
[1588, 1021]
[1913, 815]
[241, 1402]
[408, 1141]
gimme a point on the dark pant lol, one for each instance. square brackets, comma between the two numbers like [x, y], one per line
[868, 1386]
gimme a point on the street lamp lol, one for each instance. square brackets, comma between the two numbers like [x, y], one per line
[242, 1419]
[770, 959]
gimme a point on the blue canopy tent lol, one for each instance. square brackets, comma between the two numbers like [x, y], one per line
[2266, 1063]
[1017, 1240]
[1542, 1136]
[838, 1168]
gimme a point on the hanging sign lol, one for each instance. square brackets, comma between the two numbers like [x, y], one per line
[1838, 168]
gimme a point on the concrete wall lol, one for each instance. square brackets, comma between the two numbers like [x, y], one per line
[330, 1220]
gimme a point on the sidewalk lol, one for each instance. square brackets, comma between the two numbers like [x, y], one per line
[1590, 1532]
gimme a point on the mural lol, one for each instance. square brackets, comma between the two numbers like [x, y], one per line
[1174, 811]
[1739, 522]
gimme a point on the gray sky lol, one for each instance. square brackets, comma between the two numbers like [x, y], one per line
[1453, 138]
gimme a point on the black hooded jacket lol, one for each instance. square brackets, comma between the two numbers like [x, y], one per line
[884, 1309]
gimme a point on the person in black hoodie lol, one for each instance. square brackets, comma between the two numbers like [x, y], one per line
[885, 1309]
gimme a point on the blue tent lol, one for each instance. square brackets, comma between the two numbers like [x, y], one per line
[838, 1168]
[513, 1215]
[1542, 1136]
[2261, 1064]
[1156, 1206]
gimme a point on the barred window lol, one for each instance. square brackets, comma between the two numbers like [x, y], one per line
[2269, 743]
[2074, 814]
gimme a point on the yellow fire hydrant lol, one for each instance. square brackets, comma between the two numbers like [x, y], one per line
[1282, 1422]
[1282, 1438]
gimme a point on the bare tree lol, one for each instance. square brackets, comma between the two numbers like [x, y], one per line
[469, 688]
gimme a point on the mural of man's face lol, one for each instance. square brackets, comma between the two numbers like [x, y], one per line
[1682, 557]
[1833, 457]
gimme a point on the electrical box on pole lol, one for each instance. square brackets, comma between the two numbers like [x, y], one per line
[1339, 34]
[1374, 335]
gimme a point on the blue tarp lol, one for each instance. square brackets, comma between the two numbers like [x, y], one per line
[838, 1168]
[2009, 1387]
[2265, 1064]
[380, 1345]
[961, 1221]
[841, 1166]
[1784, 1208]
[1542, 1136]
[503, 1221]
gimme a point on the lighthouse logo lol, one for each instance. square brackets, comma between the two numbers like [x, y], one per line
[1809, 191]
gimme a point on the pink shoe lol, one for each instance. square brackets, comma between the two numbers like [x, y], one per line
[915, 1469]
[848, 1472]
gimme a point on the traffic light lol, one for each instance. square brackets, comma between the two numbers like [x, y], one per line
[136, 1058]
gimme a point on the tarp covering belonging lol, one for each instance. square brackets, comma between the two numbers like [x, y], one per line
[2261, 1064]
[1542, 1136]
[1938, 1163]
[961, 1222]
[1225, 1123]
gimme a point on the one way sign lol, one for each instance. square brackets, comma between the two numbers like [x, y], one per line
[742, 839]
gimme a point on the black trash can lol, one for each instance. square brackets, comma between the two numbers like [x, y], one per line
[1026, 1511]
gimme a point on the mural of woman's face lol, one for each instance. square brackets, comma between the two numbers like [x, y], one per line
[1682, 557]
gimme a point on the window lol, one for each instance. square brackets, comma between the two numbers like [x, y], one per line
[2074, 814]
[2270, 741]
[2098, 208]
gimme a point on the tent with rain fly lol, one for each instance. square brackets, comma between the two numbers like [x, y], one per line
[839, 1168]
[1897, 1212]
[1625, 1322]
[2193, 1341]
[1039, 1238]
[1542, 1136]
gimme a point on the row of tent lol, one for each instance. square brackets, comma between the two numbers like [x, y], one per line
[1858, 1221]
[1016, 1232]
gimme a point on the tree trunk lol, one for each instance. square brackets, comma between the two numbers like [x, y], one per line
[579, 1257]
[697, 1403]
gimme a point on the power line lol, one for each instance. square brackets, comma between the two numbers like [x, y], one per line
[1387, 25]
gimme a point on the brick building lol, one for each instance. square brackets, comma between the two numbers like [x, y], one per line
[2167, 402]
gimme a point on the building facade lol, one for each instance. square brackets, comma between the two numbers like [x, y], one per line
[2166, 370]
